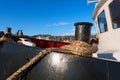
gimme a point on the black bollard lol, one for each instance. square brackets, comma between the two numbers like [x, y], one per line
[8, 33]
[19, 33]
[83, 31]
[1, 33]
[8, 30]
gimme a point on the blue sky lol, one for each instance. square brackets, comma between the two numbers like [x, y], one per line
[55, 17]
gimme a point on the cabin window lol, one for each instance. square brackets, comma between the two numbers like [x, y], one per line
[115, 13]
[102, 22]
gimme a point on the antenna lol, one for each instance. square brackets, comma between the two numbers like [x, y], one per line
[91, 1]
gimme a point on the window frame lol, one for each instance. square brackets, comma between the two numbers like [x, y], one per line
[105, 30]
[113, 27]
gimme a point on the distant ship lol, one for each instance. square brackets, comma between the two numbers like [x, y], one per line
[21, 62]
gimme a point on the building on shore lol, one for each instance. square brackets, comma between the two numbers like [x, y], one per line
[66, 38]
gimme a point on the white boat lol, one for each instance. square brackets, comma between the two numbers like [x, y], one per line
[107, 18]
[26, 41]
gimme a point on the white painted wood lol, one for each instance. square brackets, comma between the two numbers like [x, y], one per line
[109, 42]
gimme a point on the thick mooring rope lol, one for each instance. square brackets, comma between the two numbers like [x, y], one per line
[77, 48]
[36, 59]
[27, 65]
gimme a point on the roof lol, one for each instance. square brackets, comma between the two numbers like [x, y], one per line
[98, 6]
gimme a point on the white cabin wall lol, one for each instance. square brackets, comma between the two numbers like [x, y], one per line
[108, 41]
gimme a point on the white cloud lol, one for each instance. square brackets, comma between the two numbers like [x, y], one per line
[58, 24]
[71, 32]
